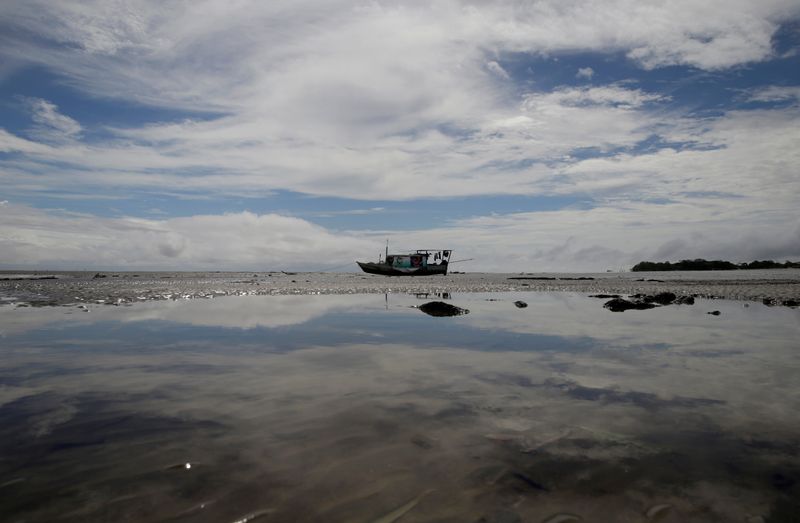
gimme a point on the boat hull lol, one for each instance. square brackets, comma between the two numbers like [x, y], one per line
[387, 270]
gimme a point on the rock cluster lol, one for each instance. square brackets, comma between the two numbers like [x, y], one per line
[771, 302]
[440, 308]
[645, 301]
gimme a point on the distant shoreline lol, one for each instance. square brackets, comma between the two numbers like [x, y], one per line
[700, 264]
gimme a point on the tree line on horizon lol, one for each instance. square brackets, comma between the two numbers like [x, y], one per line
[700, 264]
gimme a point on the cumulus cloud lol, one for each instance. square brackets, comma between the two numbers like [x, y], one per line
[355, 100]
[386, 102]
[605, 237]
[479, 159]
[247, 241]
[616, 237]
[585, 72]
[211, 55]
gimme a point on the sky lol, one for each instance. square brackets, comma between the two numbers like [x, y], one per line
[548, 135]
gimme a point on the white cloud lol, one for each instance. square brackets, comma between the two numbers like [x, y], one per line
[611, 95]
[775, 93]
[498, 70]
[346, 99]
[585, 72]
[51, 125]
[10, 143]
[243, 155]
[34, 238]
[612, 236]
[386, 101]
[214, 55]
[617, 236]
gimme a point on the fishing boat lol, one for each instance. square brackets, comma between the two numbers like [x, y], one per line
[422, 262]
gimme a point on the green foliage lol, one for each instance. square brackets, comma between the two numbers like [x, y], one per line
[769, 264]
[714, 265]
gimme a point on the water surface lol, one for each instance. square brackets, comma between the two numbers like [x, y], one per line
[356, 408]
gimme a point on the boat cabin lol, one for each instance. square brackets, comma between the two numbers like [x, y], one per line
[419, 259]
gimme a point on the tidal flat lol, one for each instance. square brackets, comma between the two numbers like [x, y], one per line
[361, 407]
[45, 288]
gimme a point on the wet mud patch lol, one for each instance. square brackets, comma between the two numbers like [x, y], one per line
[685, 475]
[602, 395]
[645, 400]
[103, 462]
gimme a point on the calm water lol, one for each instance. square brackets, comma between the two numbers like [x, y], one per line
[364, 409]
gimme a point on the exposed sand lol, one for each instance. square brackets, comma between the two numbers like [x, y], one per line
[777, 285]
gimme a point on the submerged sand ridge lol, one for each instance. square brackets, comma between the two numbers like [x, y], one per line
[777, 286]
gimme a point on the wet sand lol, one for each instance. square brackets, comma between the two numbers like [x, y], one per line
[778, 286]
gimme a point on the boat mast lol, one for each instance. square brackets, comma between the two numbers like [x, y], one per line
[387, 249]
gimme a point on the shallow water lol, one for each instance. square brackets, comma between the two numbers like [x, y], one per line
[362, 408]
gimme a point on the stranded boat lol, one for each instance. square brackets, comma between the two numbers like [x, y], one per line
[423, 262]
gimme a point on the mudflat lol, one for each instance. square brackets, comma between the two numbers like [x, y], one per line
[776, 286]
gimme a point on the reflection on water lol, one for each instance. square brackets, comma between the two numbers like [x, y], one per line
[363, 408]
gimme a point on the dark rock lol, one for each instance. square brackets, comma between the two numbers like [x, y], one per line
[662, 298]
[31, 278]
[520, 304]
[790, 303]
[422, 442]
[620, 305]
[714, 313]
[684, 300]
[98, 275]
[528, 481]
[440, 308]
[781, 481]
[769, 302]
[605, 296]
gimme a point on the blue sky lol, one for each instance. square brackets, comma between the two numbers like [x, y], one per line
[539, 136]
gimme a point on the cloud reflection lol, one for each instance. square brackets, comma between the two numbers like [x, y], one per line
[480, 411]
